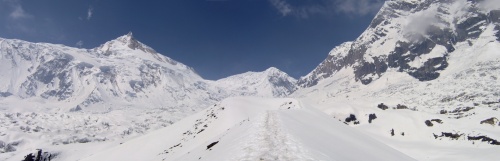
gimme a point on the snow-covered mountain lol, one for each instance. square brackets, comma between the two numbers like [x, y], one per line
[121, 88]
[421, 78]
[270, 83]
[413, 37]
[122, 69]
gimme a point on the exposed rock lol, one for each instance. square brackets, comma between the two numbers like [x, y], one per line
[399, 106]
[453, 136]
[492, 121]
[39, 156]
[351, 117]
[212, 144]
[382, 106]
[371, 117]
[484, 139]
[428, 123]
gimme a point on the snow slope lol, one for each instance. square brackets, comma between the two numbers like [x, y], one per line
[434, 64]
[251, 128]
[460, 102]
[120, 89]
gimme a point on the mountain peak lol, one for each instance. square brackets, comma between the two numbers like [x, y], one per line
[127, 41]
[273, 70]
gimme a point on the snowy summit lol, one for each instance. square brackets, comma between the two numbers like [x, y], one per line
[420, 83]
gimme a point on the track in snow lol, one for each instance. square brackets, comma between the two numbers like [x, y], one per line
[272, 142]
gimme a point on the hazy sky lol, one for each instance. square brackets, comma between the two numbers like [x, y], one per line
[218, 38]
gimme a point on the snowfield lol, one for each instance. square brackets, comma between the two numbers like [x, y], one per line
[252, 128]
[421, 83]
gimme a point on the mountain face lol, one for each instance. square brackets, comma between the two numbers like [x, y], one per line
[412, 37]
[123, 69]
[424, 73]
[269, 83]
[121, 88]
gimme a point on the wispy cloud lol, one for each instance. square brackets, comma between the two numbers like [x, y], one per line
[90, 12]
[17, 11]
[305, 9]
[282, 6]
[79, 44]
[489, 5]
[358, 7]
[17, 19]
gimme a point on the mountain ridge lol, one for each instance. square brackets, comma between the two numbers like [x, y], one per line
[123, 78]
[403, 31]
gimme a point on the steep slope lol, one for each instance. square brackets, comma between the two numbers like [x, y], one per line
[422, 78]
[412, 37]
[123, 69]
[247, 128]
[269, 83]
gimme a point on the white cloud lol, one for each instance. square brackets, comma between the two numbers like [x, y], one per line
[418, 23]
[90, 12]
[305, 9]
[489, 5]
[18, 12]
[79, 44]
[358, 7]
[282, 6]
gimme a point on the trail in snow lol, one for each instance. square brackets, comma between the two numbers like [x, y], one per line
[272, 142]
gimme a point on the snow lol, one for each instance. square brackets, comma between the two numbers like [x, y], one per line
[270, 83]
[257, 128]
[124, 101]
[119, 90]
[469, 81]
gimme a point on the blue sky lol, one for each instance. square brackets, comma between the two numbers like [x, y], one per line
[218, 38]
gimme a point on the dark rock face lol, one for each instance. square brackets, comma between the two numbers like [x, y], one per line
[484, 139]
[350, 118]
[456, 136]
[428, 123]
[367, 68]
[497, 28]
[453, 136]
[39, 156]
[212, 144]
[382, 106]
[371, 117]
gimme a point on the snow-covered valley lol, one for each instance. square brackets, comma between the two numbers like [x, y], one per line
[398, 92]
